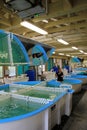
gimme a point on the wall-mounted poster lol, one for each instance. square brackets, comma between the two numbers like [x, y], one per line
[1, 71]
[12, 70]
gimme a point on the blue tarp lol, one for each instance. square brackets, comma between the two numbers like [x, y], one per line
[78, 76]
[75, 60]
[72, 81]
[29, 82]
[53, 83]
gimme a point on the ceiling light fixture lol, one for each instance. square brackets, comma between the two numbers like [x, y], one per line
[45, 21]
[67, 55]
[62, 41]
[54, 52]
[81, 51]
[75, 48]
[33, 27]
[61, 54]
[53, 19]
[85, 53]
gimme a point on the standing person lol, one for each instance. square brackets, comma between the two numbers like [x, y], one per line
[43, 76]
[55, 68]
[59, 75]
[67, 67]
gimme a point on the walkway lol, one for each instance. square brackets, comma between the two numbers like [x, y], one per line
[78, 118]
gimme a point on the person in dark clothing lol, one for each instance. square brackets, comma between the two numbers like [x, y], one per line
[55, 68]
[59, 75]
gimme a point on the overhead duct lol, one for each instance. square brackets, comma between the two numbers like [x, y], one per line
[26, 8]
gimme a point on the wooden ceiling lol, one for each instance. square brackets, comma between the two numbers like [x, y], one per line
[66, 19]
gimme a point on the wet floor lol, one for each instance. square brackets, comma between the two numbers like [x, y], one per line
[78, 118]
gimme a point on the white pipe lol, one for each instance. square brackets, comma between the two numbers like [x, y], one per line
[10, 49]
[46, 119]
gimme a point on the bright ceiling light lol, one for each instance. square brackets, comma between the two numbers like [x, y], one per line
[67, 55]
[53, 19]
[75, 48]
[33, 27]
[45, 21]
[85, 53]
[81, 51]
[61, 54]
[72, 56]
[62, 41]
[54, 52]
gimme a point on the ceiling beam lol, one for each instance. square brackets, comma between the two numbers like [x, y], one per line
[59, 57]
[57, 9]
[65, 34]
[70, 27]
[6, 10]
[67, 20]
[69, 4]
[4, 20]
[64, 28]
[11, 14]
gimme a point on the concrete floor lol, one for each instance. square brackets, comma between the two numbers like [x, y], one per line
[78, 118]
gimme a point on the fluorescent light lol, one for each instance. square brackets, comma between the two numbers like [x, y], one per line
[81, 51]
[45, 21]
[53, 19]
[85, 53]
[75, 48]
[33, 27]
[54, 52]
[61, 53]
[67, 55]
[58, 26]
[62, 41]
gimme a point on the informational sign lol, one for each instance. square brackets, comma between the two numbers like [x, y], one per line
[1, 71]
[12, 70]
